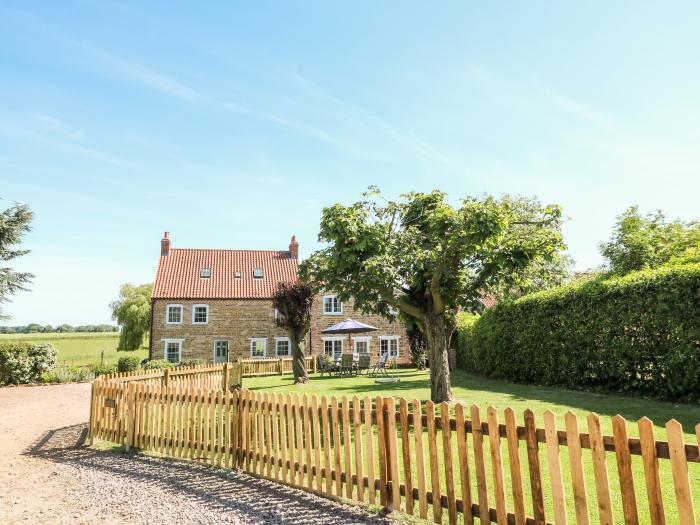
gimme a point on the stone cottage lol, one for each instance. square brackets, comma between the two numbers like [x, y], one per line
[216, 305]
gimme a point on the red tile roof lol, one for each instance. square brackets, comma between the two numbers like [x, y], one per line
[178, 274]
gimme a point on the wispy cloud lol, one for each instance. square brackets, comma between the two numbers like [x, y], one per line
[56, 126]
[582, 111]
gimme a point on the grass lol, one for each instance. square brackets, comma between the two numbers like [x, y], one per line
[472, 389]
[80, 349]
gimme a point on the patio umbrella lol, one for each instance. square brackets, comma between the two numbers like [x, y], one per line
[349, 326]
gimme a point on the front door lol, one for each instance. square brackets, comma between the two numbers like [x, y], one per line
[220, 352]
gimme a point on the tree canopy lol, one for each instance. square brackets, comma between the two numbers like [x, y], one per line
[428, 259]
[648, 241]
[132, 311]
[15, 221]
[292, 303]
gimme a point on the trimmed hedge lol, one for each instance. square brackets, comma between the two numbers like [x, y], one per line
[639, 333]
[22, 362]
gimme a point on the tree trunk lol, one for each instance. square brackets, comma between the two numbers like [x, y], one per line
[298, 361]
[437, 339]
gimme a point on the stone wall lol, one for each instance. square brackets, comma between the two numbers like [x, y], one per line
[239, 320]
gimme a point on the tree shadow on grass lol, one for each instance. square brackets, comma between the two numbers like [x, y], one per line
[230, 492]
[582, 401]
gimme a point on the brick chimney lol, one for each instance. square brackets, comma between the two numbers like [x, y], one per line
[294, 248]
[165, 244]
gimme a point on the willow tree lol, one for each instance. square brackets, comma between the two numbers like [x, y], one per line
[428, 259]
[292, 303]
[132, 311]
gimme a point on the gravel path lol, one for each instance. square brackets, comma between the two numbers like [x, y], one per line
[48, 477]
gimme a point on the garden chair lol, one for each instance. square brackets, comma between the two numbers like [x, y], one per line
[325, 364]
[363, 363]
[347, 364]
[380, 365]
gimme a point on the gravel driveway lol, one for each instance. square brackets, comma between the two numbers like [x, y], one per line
[48, 477]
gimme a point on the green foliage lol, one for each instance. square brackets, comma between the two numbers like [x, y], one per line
[24, 363]
[157, 364]
[192, 362]
[128, 363]
[133, 313]
[35, 328]
[100, 370]
[14, 223]
[650, 241]
[69, 374]
[427, 258]
[638, 333]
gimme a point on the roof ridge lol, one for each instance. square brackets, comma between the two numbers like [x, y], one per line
[229, 250]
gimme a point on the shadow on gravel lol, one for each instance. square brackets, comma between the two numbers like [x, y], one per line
[235, 494]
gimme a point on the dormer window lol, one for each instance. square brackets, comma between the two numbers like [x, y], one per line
[257, 273]
[205, 273]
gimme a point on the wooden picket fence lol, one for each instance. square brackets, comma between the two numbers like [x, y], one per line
[269, 366]
[421, 458]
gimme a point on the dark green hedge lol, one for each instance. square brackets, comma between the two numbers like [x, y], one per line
[639, 333]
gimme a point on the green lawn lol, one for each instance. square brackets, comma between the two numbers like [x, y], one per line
[79, 349]
[472, 389]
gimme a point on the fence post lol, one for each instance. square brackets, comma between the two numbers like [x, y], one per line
[92, 413]
[385, 467]
[280, 366]
[131, 415]
[226, 378]
[166, 377]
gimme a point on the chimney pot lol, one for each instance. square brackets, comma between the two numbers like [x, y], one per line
[165, 244]
[294, 248]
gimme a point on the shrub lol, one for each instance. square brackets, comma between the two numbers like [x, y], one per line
[192, 362]
[157, 364]
[22, 362]
[69, 374]
[128, 363]
[100, 370]
[639, 333]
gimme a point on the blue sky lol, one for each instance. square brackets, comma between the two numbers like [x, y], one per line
[232, 125]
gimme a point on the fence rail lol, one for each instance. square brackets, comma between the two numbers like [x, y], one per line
[424, 459]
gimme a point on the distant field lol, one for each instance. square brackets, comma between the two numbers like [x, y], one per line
[80, 348]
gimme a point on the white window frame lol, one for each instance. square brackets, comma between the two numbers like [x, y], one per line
[194, 309]
[167, 313]
[256, 340]
[289, 343]
[262, 273]
[362, 339]
[333, 296]
[390, 338]
[166, 342]
[334, 338]
[228, 349]
[203, 271]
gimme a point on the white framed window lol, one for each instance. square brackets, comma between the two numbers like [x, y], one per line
[173, 314]
[389, 344]
[333, 346]
[172, 350]
[361, 344]
[200, 313]
[283, 348]
[331, 305]
[205, 273]
[258, 273]
[220, 351]
[258, 347]
[276, 315]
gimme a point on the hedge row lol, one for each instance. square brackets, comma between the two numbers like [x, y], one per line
[639, 333]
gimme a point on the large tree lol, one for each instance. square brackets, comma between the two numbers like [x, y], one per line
[132, 311]
[14, 223]
[648, 241]
[428, 259]
[292, 303]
